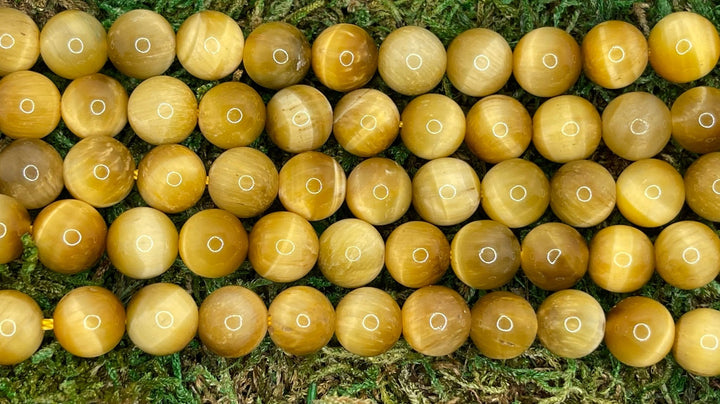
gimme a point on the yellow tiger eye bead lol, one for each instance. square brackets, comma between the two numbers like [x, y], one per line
[352, 253]
[433, 126]
[231, 114]
[19, 41]
[615, 54]
[276, 55]
[367, 122]
[694, 120]
[566, 128]
[412, 60]
[417, 254]
[31, 171]
[479, 62]
[697, 342]
[299, 118]
[73, 44]
[301, 320]
[21, 330]
[622, 259]
[368, 321]
[504, 325]
[498, 128]
[210, 45]
[344, 57]
[29, 105]
[547, 61]
[636, 125]
[162, 319]
[650, 193]
[702, 186]
[446, 191]
[582, 193]
[686, 254]
[14, 222]
[89, 321]
[312, 184]
[94, 105]
[213, 243]
[379, 191]
[554, 256]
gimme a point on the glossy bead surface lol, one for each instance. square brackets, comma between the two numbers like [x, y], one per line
[554, 256]
[479, 62]
[636, 125]
[582, 193]
[702, 186]
[31, 172]
[21, 330]
[94, 105]
[417, 254]
[14, 222]
[615, 54]
[276, 55]
[694, 120]
[566, 128]
[412, 60]
[301, 320]
[446, 191]
[622, 259]
[379, 191]
[29, 105]
[547, 62]
[697, 342]
[299, 118]
[344, 57]
[210, 45]
[213, 243]
[73, 44]
[433, 126]
[650, 193]
[19, 41]
[312, 184]
[352, 253]
[366, 122]
[498, 128]
[504, 325]
[687, 254]
[368, 321]
[231, 114]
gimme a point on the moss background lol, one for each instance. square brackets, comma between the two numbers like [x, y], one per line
[333, 375]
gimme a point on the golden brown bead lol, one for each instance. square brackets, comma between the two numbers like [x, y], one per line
[412, 60]
[694, 115]
[14, 222]
[554, 256]
[687, 254]
[312, 184]
[504, 325]
[622, 259]
[210, 45]
[95, 105]
[29, 105]
[566, 128]
[368, 321]
[697, 342]
[19, 41]
[344, 57]
[650, 193]
[479, 62]
[301, 320]
[379, 191]
[73, 44]
[615, 54]
[582, 193]
[231, 115]
[89, 321]
[498, 128]
[352, 253]
[213, 243]
[20, 327]
[31, 171]
[702, 186]
[276, 55]
[299, 118]
[417, 254]
[446, 191]
[367, 122]
[433, 126]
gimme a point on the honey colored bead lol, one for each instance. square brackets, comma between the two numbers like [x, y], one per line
[31, 172]
[20, 327]
[299, 118]
[504, 325]
[162, 319]
[233, 321]
[687, 255]
[301, 320]
[162, 110]
[366, 122]
[141, 44]
[702, 186]
[352, 253]
[142, 243]
[582, 193]
[515, 193]
[650, 193]
[479, 62]
[639, 331]
[171, 178]
[554, 256]
[210, 45]
[276, 55]
[615, 54]
[99, 171]
[622, 259]
[73, 44]
[19, 41]
[379, 191]
[95, 105]
[498, 128]
[547, 62]
[231, 114]
[417, 254]
[412, 60]
[344, 57]
[14, 222]
[283, 247]
[446, 191]
[697, 342]
[566, 128]
[694, 120]
[89, 321]
[29, 105]
[69, 235]
[312, 184]
[213, 243]
[243, 181]
[436, 320]
[636, 125]
[571, 323]
[684, 47]
[433, 126]
[368, 321]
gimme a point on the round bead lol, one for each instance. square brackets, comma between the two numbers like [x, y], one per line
[344, 57]
[31, 171]
[299, 118]
[686, 254]
[622, 259]
[162, 319]
[479, 62]
[352, 253]
[210, 45]
[639, 331]
[29, 105]
[436, 320]
[162, 110]
[694, 120]
[702, 186]
[615, 54]
[412, 60]
[243, 181]
[99, 171]
[19, 41]
[504, 325]
[233, 321]
[301, 320]
[142, 243]
[498, 128]
[368, 322]
[95, 105]
[433, 126]
[684, 47]
[582, 193]
[276, 55]
[141, 44]
[231, 114]
[73, 44]
[213, 243]
[283, 247]
[312, 184]
[21, 330]
[566, 128]
[554, 256]
[69, 235]
[14, 222]
[650, 193]
[417, 254]
[89, 321]
[547, 62]
[446, 191]
[697, 342]
[171, 178]
[571, 323]
[636, 125]
[367, 122]
[379, 191]
[515, 193]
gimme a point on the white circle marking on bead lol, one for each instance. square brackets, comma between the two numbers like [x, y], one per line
[648, 332]
[24, 109]
[567, 131]
[368, 127]
[306, 319]
[653, 188]
[211, 42]
[238, 111]
[422, 250]
[510, 326]
[628, 259]
[285, 252]
[147, 242]
[318, 185]
[502, 125]
[75, 40]
[438, 126]
[438, 327]
[586, 189]
[577, 328]
[444, 194]
[353, 253]
[5, 36]
[714, 340]
[177, 176]
[553, 255]
[373, 317]
[482, 252]
[217, 249]
[383, 187]
[146, 42]
[685, 44]
[165, 313]
[554, 59]
[166, 115]
[233, 316]
[343, 55]
[614, 50]
[299, 124]
[246, 177]
[93, 110]
[704, 117]
[417, 58]
[512, 192]
[96, 318]
[691, 250]
[486, 64]
[78, 237]
[283, 52]
[27, 176]
[640, 121]
[2, 328]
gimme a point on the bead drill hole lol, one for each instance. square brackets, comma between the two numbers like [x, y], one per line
[215, 244]
[420, 255]
[284, 247]
[438, 321]
[572, 324]
[246, 182]
[233, 318]
[642, 332]
[413, 61]
[346, 58]
[507, 321]
[380, 192]
[484, 252]
[31, 173]
[7, 41]
[280, 56]
[313, 185]
[8, 328]
[481, 63]
[353, 253]
[234, 115]
[76, 46]
[374, 321]
[142, 45]
[92, 322]
[447, 191]
[71, 237]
